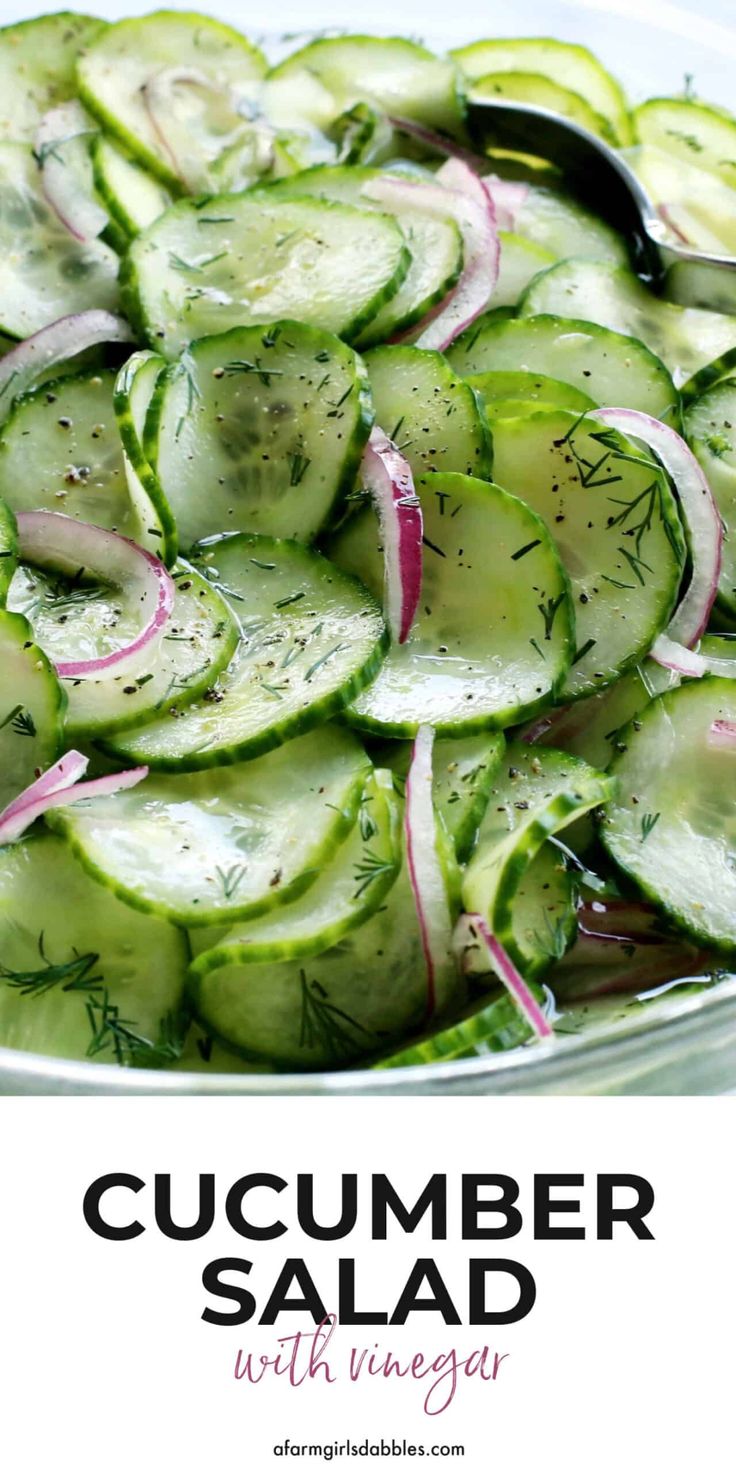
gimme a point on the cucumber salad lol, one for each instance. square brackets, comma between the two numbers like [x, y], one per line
[367, 555]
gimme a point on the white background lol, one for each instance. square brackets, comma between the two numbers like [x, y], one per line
[626, 1361]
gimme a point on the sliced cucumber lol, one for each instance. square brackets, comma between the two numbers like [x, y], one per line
[561, 225]
[228, 844]
[243, 258]
[615, 522]
[133, 197]
[685, 338]
[67, 616]
[612, 368]
[491, 1028]
[539, 793]
[131, 400]
[350, 888]
[312, 638]
[271, 420]
[671, 827]
[692, 132]
[44, 272]
[463, 772]
[348, 1002]
[696, 205]
[710, 426]
[76, 979]
[77, 464]
[571, 66]
[435, 246]
[590, 728]
[540, 91]
[38, 68]
[401, 76]
[31, 708]
[8, 550]
[435, 419]
[114, 73]
[490, 641]
[521, 261]
[509, 385]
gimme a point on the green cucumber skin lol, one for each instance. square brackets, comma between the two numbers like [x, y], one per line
[476, 458]
[22, 633]
[58, 823]
[8, 550]
[134, 309]
[140, 463]
[361, 429]
[279, 732]
[494, 1027]
[108, 119]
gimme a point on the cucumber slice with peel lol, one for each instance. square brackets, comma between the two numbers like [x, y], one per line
[132, 394]
[44, 272]
[246, 258]
[31, 708]
[614, 369]
[115, 70]
[685, 338]
[227, 844]
[434, 418]
[710, 427]
[563, 227]
[590, 728]
[38, 68]
[8, 550]
[133, 197]
[200, 640]
[615, 521]
[571, 66]
[76, 972]
[503, 387]
[77, 465]
[401, 76]
[350, 888]
[272, 419]
[311, 639]
[536, 90]
[538, 794]
[435, 245]
[490, 641]
[347, 1003]
[463, 770]
[692, 132]
[670, 829]
[492, 1027]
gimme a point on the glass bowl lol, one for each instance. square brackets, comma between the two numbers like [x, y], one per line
[687, 1045]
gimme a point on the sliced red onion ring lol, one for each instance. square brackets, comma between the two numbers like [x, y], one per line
[33, 803]
[158, 99]
[507, 197]
[439, 142]
[79, 211]
[63, 774]
[667, 213]
[505, 970]
[387, 475]
[425, 870]
[62, 339]
[703, 523]
[47, 538]
[723, 734]
[460, 194]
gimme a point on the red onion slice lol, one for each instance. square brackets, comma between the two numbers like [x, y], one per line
[62, 339]
[438, 142]
[47, 538]
[703, 523]
[505, 970]
[507, 197]
[63, 774]
[722, 734]
[387, 476]
[667, 213]
[459, 194]
[79, 211]
[33, 803]
[425, 869]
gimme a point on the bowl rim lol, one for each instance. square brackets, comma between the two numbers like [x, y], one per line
[536, 1067]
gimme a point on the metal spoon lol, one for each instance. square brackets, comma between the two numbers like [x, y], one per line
[604, 180]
